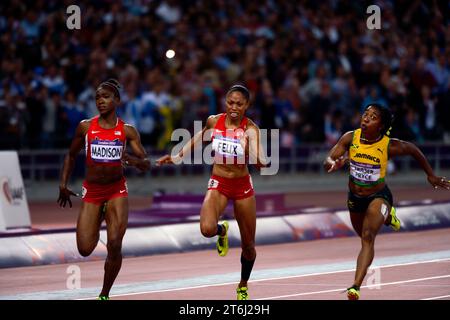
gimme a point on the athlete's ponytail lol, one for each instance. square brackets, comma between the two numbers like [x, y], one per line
[388, 132]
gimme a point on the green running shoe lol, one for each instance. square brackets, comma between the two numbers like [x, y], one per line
[353, 293]
[395, 222]
[242, 293]
[222, 241]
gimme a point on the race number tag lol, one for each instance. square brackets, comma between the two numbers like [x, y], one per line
[213, 184]
[106, 151]
[83, 192]
[365, 173]
[384, 210]
[227, 147]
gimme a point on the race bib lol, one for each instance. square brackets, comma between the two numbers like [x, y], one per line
[106, 151]
[227, 147]
[83, 192]
[213, 184]
[365, 173]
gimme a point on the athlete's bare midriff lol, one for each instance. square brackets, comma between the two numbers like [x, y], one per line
[365, 191]
[103, 175]
[230, 170]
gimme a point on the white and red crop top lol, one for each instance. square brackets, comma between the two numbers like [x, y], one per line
[105, 146]
[226, 143]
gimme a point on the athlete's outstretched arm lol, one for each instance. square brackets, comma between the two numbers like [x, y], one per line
[139, 160]
[256, 151]
[69, 162]
[400, 148]
[192, 143]
[336, 156]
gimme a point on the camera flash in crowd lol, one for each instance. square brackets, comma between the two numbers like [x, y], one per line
[170, 54]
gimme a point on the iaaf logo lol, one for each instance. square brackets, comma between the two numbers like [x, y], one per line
[14, 196]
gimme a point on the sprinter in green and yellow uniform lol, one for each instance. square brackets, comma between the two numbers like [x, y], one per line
[367, 151]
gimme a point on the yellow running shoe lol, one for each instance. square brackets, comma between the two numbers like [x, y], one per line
[395, 222]
[353, 293]
[222, 241]
[103, 298]
[242, 293]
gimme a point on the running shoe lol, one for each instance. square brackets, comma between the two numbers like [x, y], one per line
[222, 241]
[103, 298]
[353, 293]
[242, 293]
[395, 222]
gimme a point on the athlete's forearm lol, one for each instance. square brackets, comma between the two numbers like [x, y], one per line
[339, 149]
[140, 162]
[188, 147]
[143, 164]
[258, 157]
[421, 159]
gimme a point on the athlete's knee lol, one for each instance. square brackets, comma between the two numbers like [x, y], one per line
[85, 250]
[86, 245]
[368, 236]
[114, 246]
[249, 251]
[208, 229]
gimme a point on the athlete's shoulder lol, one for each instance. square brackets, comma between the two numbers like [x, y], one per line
[347, 137]
[129, 129]
[396, 143]
[86, 121]
[349, 134]
[212, 120]
[84, 125]
[215, 116]
[129, 126]
[251, 123]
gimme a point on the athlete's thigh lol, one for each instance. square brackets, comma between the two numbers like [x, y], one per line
[245, 214]
[116, 217]
[376, 214]
[213, 206]
[88, 224]
[357, 219]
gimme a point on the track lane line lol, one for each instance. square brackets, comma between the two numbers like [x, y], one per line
[344, 289]
[436, 298]
[276, 278]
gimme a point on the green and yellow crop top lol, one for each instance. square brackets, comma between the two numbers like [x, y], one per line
[368, 162]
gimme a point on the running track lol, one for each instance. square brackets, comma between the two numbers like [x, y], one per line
[410, 266]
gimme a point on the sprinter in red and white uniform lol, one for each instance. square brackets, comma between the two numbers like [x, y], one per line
[235, 140]
[104, 191]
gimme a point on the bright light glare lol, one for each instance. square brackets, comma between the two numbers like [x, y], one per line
[170, 53]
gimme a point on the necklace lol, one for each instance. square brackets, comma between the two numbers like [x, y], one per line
[370, 141]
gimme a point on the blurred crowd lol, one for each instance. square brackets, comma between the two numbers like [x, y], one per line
[311, 66]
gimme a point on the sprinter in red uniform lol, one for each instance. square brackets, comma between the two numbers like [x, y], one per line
[235, 138]
[104, 191]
